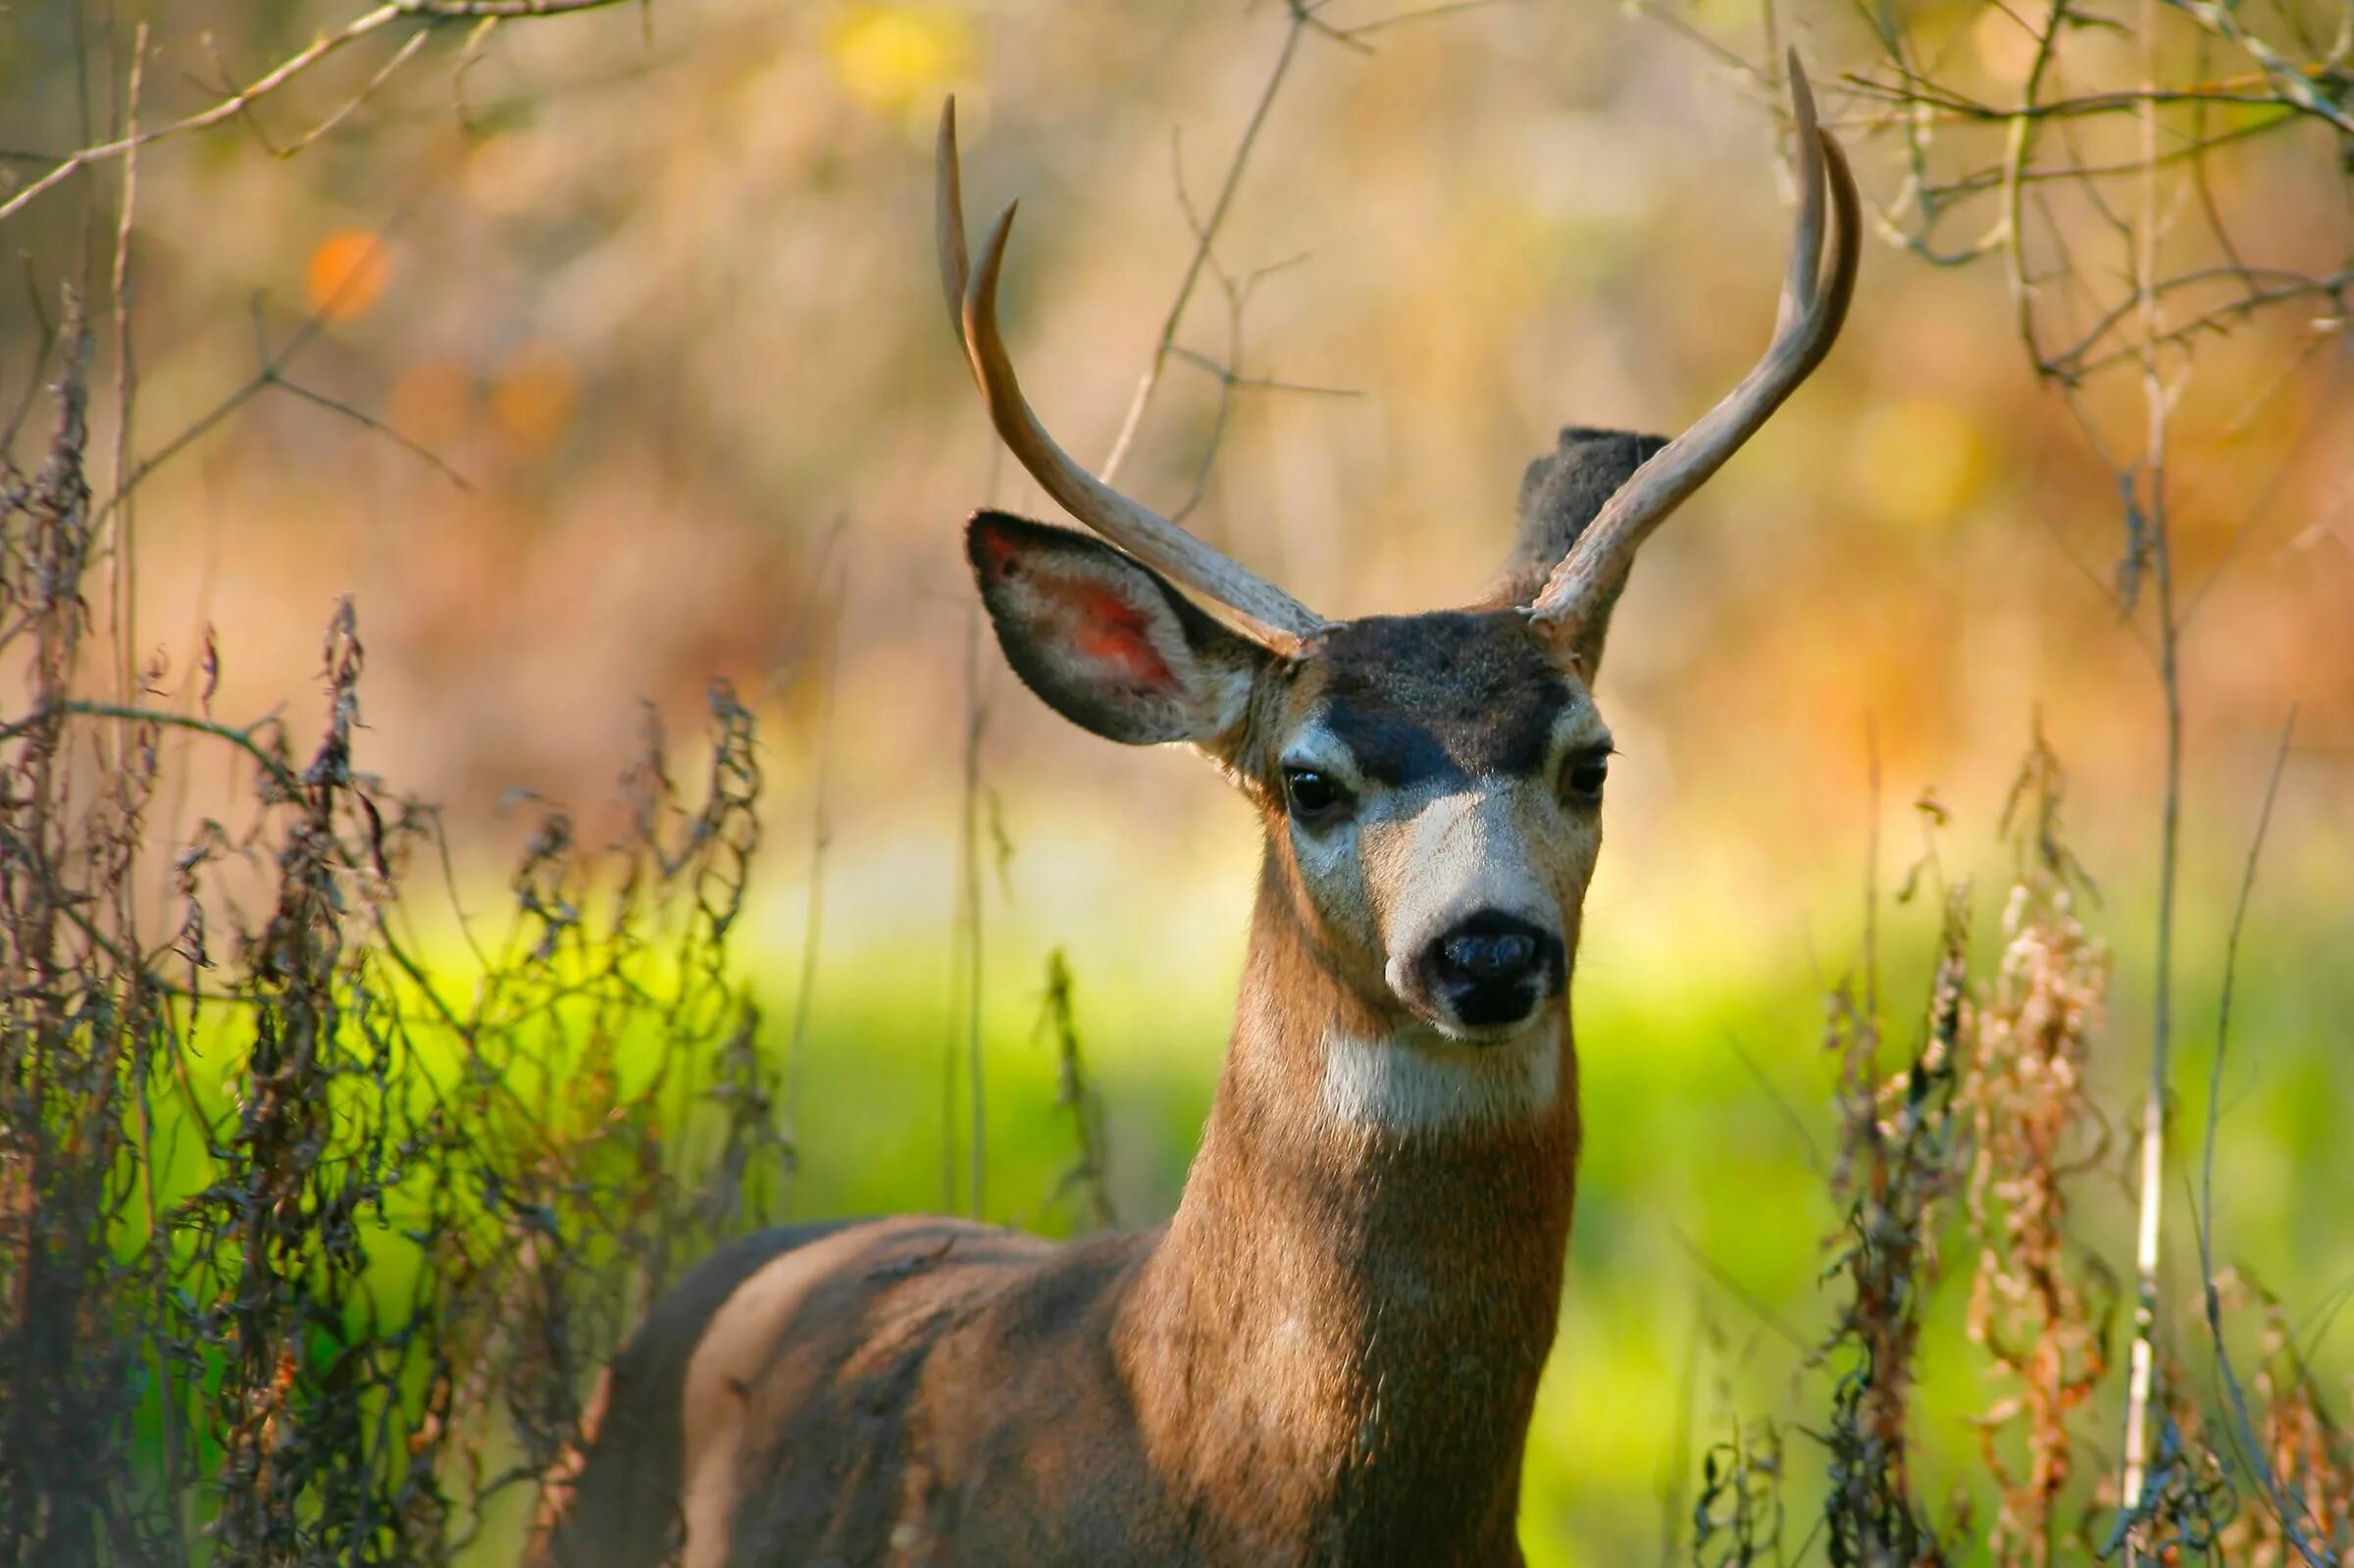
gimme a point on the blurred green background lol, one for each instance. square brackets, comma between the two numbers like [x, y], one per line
[658, 284]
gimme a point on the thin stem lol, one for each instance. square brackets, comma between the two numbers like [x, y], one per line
[2287, 1508]
[1980, 181]
[821, 839]
[1939, 104]
[969, 870]
[1429, 13]
[2015, 163]
[280, 774]
[227, 109]
[429, 13]
[1206, 237]
[2223, 1019]
[121, 564]
[1871, 876]
[2155, 402]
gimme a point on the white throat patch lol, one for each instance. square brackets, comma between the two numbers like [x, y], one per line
[1426, 1083]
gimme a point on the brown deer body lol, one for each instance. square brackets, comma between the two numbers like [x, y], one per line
[1331, 1352]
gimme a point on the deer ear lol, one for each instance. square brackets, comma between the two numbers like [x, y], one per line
[1105, 642]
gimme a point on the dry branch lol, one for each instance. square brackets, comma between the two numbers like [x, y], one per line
[424, 14]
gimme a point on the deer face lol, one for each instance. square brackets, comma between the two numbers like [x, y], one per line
[1433, 793]
[1431, 785]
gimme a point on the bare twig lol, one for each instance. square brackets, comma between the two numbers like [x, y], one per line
[1749, 1300]
[271, 370]
[1075, 1091]
[962, 1053]
[121, 565]
[367, 422]
[2157, 403]
[2287, 1509]
[1404, 19]
[1206, 233]
[246, 740]
[1675, 1470]
[821, 839]
[238, 104]
[350, 106]
[1942, 104]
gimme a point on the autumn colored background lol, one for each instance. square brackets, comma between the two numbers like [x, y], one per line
[640, 312]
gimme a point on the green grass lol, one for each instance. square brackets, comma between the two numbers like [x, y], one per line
[1688, 1156]
[1703, 1208]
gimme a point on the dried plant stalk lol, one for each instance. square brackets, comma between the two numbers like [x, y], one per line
[2041, 1312]
[355, 1249]
[1896, 1171]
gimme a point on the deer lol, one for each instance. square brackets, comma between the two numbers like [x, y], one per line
[1330, 1352]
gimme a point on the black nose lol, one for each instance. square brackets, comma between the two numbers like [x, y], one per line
[1492, 968]
[1488, 959]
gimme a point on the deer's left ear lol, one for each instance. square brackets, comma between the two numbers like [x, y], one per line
[1105, 642]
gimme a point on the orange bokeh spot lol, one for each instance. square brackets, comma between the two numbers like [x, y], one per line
[532, 396]
[346, 274]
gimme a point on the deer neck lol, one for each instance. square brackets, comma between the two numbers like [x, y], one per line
[1340, 1337]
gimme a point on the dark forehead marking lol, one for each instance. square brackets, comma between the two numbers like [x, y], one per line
[1450, 693]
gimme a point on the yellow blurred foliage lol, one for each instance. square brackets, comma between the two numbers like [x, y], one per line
[1919, 462]
[891, 55]
[532, 396]
[346, 274]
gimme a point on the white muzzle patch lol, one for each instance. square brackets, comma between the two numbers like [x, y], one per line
[1426, 1083]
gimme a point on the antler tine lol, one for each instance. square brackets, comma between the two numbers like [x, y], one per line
[1812, 310]
[947, 219]
[1273, 617]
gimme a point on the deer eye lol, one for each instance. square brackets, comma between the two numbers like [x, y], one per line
[1315, 799]
[1583, 777]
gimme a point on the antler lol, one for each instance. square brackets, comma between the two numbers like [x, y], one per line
[1273, 616]
[1812, 311]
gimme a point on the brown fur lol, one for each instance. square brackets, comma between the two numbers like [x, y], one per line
[1330, 1354]
[1559, 493]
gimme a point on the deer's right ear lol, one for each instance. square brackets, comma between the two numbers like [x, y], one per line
[1105, 642]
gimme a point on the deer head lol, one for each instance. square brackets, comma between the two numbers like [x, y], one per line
[1430, 785]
